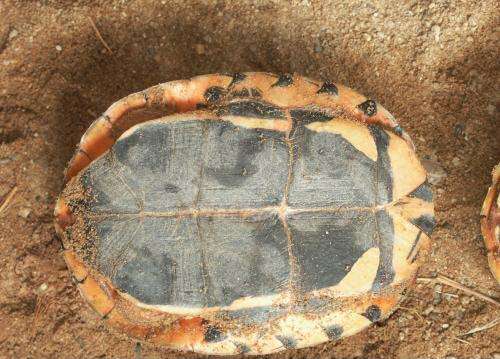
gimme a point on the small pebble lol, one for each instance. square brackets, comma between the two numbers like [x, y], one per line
[455, 161]
[428, 310]
[58, 47]
[491, 109]
[24, 212]
[458, 129]
[200, 49]
[43, 287]
[317, 47]
[465, 300]
[438, 289]
[436, 30]
[460, 315]
[13, 34]
[445, 326]
[434, 170]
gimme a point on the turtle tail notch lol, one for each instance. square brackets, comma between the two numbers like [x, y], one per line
[152, 103]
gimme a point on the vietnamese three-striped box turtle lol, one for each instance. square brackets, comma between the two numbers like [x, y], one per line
[244, 213]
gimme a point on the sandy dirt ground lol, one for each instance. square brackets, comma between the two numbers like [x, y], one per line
[434, 64]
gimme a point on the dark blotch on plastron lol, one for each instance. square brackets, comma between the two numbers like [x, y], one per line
[148, 277]
[334, 332]
[423, 192]
[329, 171]
[237, 78]
[369, 107]
[372, 313]
[213, 334]
[329, 88]
[283, 81]
[214, 94]
[288, 342]
[252, 109]
[327, 245]
[242, 167]
[384, 169]
[385, 240]
[425, 223]
[244, 257]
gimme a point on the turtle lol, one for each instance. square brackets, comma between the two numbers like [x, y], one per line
[490, 223]
[244, 213]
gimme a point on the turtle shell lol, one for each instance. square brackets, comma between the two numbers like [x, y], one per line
[490, 223]
[257, 213]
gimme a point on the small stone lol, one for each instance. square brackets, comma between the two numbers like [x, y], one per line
[428, 310]
[59, 48]
[13, 34]
[458, 129]
[367, 36]
[460, 315]
[200, 49]
[455, 161]
[24, 212]
[435, 172]
[438, 290]
[43, 287]
[436, 30]
[491, 109]
[318, 47]
[445, 326]
[465, 300]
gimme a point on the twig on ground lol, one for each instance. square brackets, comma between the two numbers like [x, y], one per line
[98, 34]
[450, 282]
[461, 340]
[412, 311]
[8, 199]
[482, 327]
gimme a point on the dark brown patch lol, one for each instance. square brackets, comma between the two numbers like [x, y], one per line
[213, 334]
[214, 94]
[237, 78]
[329, 88]
[334, 332]
[372, 313]
[369, 107]
[283, 81]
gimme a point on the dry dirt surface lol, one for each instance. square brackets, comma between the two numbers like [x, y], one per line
[433, 64]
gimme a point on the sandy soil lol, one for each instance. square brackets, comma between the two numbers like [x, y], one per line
[433, 64]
